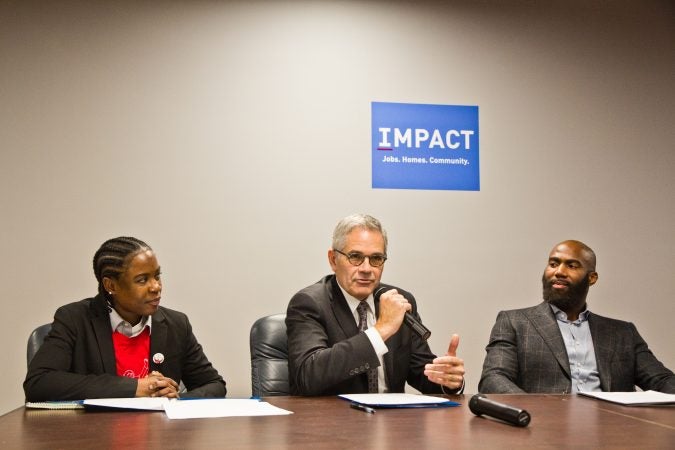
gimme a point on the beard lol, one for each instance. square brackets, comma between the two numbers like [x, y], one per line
[574, 297]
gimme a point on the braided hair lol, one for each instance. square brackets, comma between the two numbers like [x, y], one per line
[111, 258]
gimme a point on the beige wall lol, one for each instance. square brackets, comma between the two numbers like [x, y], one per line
[232, 136]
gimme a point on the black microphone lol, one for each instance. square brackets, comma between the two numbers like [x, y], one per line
[481, 405]
[408, 319]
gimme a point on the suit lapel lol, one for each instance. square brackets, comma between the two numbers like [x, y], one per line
[544, 322]
[158, 337]
[341, 310]
[100, 321]
[603, 354]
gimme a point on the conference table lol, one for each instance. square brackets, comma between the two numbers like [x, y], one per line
[558, 421]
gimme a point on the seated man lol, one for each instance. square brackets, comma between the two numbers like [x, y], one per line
[560, 347]
[341, 339]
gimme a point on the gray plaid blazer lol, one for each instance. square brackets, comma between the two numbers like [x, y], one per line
[526, 353]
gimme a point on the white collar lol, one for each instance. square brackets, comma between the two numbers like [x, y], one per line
[354, 302]
[119, 324]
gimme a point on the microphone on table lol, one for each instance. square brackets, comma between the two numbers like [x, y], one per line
[410, 320]
[481, 405]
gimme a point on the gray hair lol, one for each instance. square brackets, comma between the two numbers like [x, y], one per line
[346, 225]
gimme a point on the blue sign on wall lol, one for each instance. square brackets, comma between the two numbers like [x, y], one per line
[425, 147]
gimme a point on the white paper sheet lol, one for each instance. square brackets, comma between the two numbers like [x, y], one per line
[646, 398]
[142, 403]
[221, 407]
[393, 399]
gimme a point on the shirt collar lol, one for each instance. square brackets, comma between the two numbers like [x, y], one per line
[562, 315]
[119, 324]
[354, 302]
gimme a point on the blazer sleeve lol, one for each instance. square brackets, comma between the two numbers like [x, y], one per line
[68, 365]
[500, 368]
[198, 375]
[650, 373]
[316, 366]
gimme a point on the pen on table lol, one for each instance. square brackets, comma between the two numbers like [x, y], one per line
[363, 408]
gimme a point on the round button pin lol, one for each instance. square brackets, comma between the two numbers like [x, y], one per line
[158, 358]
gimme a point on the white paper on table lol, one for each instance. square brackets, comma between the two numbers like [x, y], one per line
[142, 403]
[394, 399]
[646, 398]
[220, 407]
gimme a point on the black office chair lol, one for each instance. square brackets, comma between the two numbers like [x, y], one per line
[35, 340]
[269, 356]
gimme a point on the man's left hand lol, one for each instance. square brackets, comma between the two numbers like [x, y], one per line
[447, 370]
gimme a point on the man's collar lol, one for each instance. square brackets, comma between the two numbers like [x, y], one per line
[562, 315]
[354, 302]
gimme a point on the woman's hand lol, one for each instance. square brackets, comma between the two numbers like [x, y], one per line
[157, 385]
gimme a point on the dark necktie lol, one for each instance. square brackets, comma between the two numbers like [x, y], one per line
[362, 309]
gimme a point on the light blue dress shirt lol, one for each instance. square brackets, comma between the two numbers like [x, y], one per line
[580, 351]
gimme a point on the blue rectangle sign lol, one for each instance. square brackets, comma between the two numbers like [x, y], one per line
[417, 146]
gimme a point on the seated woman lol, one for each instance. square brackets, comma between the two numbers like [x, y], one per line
[121, 343]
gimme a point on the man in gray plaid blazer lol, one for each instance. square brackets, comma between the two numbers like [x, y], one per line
[560, 347]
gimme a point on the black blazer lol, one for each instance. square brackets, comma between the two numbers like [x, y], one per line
[527, 353]
[327, 355]
[77, 359]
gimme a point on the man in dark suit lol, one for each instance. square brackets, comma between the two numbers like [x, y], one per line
[342, 340]
[560, 347]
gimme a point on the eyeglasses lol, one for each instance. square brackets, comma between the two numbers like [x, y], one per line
[356, 258]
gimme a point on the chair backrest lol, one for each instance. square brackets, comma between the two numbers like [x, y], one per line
[35, 340]
[269, 356]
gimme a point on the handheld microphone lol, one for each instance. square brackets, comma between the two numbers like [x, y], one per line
[481, 405]
[410, 320]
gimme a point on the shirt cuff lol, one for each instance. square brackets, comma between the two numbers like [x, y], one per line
[454, 391]
[376, 341]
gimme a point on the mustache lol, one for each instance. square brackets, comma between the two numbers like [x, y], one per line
[576, 292]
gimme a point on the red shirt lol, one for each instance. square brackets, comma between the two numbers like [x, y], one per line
[132, 354]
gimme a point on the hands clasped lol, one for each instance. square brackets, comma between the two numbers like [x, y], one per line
[157, 385]
[447, 370]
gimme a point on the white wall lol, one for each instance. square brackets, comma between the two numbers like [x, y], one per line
[232, 136]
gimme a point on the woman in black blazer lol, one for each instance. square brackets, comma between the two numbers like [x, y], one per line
[121, 343]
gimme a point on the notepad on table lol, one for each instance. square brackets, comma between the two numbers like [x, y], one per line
[399, 400]
[75, 404]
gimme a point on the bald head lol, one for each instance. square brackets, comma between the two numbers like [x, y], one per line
[584, 253]
[568, 275]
